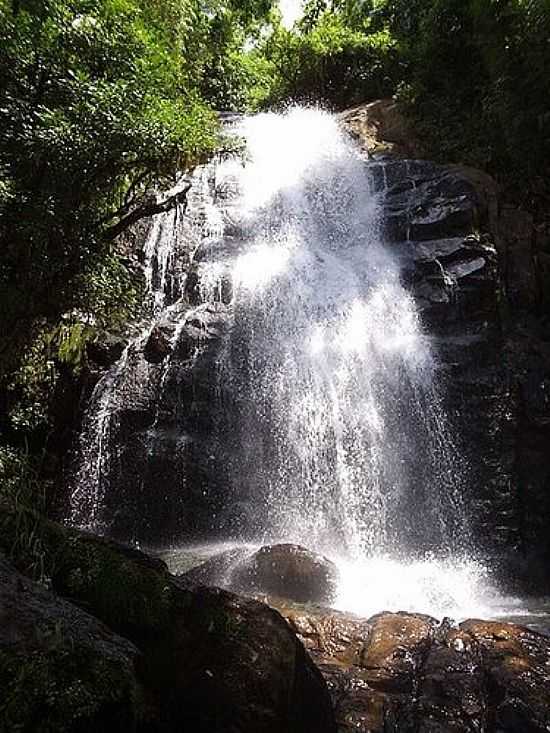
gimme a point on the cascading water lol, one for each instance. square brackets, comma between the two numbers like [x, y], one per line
[319, 420]
[98, 446]
[344, 442]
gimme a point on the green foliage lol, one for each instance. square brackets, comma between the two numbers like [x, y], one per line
[92, 108]
[18, 478]
[101, 103]
[475, 79]
[326, 59]
[21, 488]
[473, 74]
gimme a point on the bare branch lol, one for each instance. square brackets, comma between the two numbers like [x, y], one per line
[149, 208]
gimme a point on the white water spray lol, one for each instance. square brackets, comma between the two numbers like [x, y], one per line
[343, 439]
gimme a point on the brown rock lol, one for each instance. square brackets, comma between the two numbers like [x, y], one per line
[397, 646]
[380, 127]
[517, 663]
[406, 673]
[288, 571]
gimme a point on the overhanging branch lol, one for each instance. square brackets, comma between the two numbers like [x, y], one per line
[149, 208]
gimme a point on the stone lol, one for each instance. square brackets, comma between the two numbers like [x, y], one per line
[517, 663]
[452, 686]
[242, 668]
[380, 127]
[209, 661]
[408, 673]
[288, 571]
[217, 570]
[61, 669]
[105, 349]
[158, 346]
[398, 645]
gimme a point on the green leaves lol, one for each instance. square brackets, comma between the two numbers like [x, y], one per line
[336, 56]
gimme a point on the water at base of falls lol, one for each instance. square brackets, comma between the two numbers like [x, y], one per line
[327, 417]
[459, 588]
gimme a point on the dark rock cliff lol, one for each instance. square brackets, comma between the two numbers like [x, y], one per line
[479, 269]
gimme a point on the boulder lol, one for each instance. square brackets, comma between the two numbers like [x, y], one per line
[61, 669]
[240, 667]
[210, 661]
[288, 571]
[381, 127]
[517, 664]
[105, 349]
[218, 569]
[158, 346]
[398, 645]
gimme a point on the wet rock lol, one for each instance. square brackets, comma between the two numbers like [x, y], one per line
[288, 571]
[106, 349]
[398, 645]
[217, 570]
[169, 478]
[434, 214]
[158, 346]
[517, 663]
[444, 221]
[60, 668]
[452, 686]
[403, 672]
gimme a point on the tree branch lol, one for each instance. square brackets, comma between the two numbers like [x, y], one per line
[149, 208]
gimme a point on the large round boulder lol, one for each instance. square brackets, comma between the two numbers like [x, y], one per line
[288, 571]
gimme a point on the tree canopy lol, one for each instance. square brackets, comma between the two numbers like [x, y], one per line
[104, 102]
[474, 74]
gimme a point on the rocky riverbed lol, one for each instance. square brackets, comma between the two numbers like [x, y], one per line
[397, 671]
[110, 640]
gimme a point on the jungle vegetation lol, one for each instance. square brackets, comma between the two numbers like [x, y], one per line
[103, 102]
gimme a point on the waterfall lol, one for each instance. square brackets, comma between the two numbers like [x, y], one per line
[297, 395]
[342, 438]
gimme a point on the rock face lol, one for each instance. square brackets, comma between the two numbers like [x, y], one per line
[480, 272]
[441, 221]
[407, 673]
[203, 660]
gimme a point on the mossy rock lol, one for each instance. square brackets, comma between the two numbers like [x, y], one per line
[210, 661]
[61, 670]
[128, 590]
